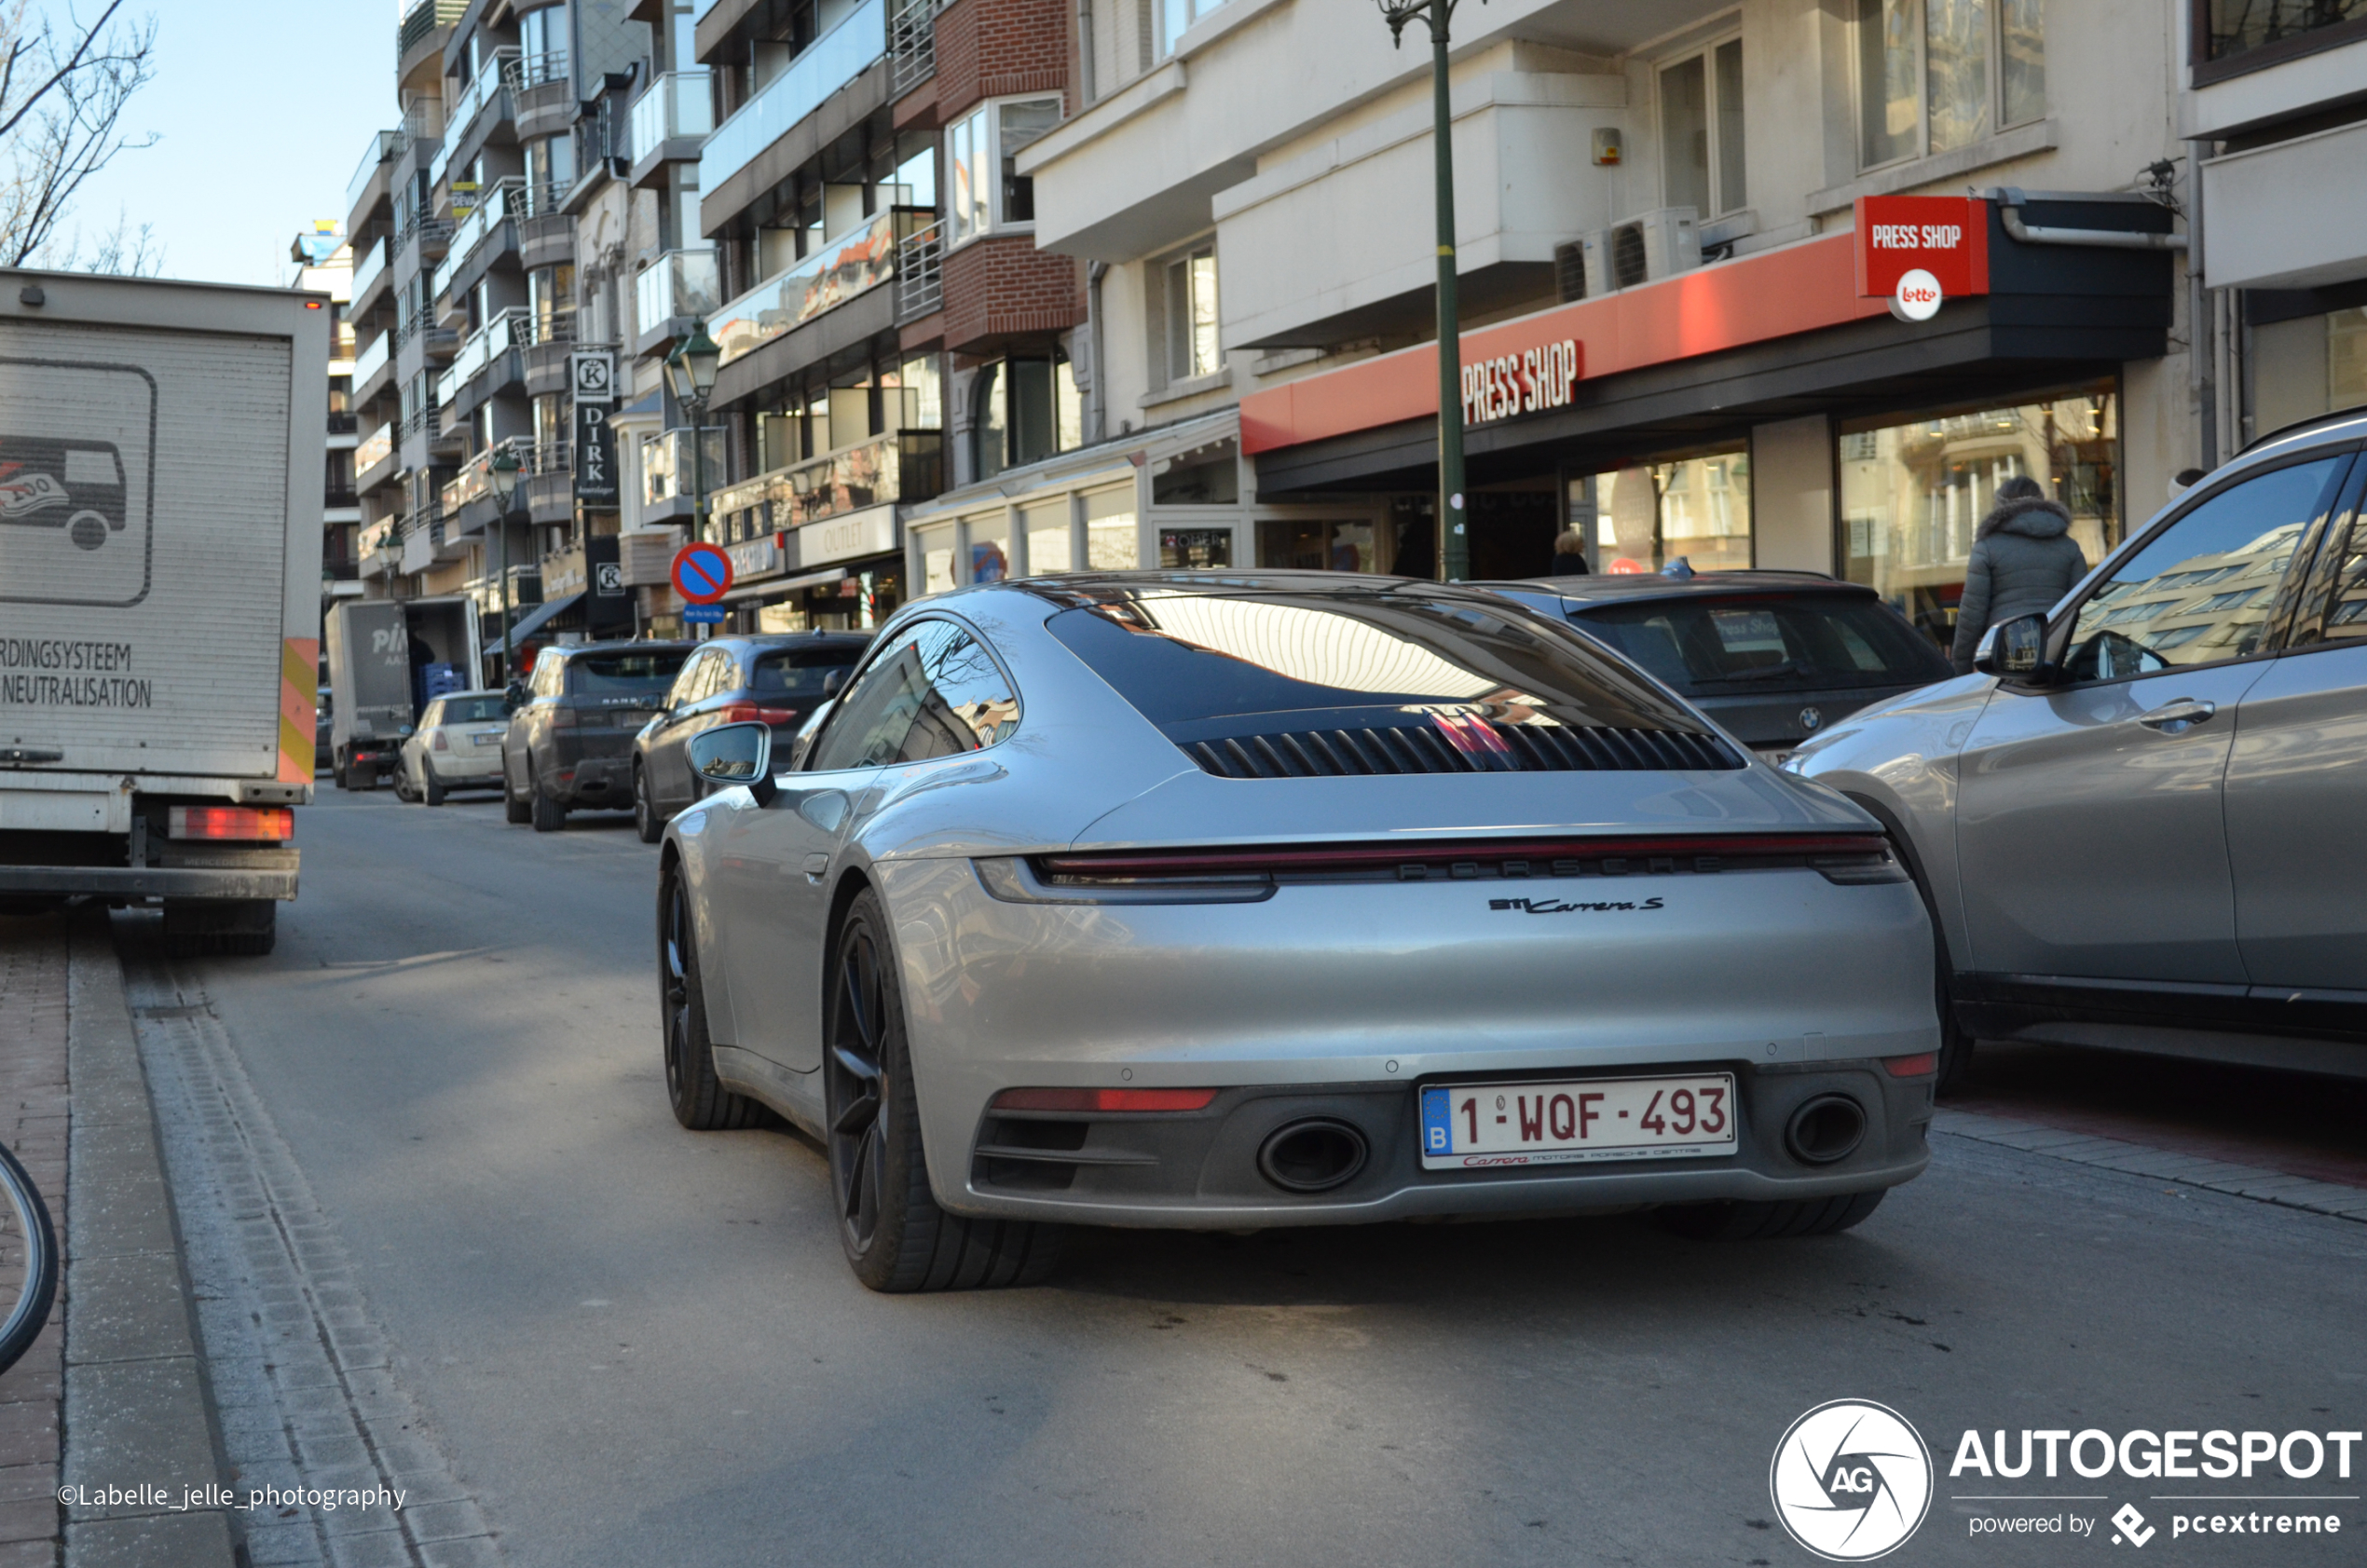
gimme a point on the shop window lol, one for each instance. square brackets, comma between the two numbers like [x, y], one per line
[989, 546]
[1702, 131]
[1936, 75]
[1195, 547]
[1206, 475]
[1112, 532]
[985, 189]
[1190, 312]
[937, 558]
[1325, 545]
[2346, 358]
[1640, 518]
[1050, 550]
[1912, 496]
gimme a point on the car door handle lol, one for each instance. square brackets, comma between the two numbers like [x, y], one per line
[2178, 715]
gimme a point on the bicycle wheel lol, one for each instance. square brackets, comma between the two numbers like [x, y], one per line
[28, 1261]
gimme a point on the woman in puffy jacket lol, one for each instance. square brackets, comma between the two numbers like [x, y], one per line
[2023, 560]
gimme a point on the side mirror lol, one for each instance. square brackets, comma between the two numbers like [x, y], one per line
[2014, 650]
[736, 754]
[834, 681]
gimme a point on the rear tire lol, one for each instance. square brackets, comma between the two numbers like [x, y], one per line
[646, 821]
[513, 810]
[895, 1236]
[543, 807]
[1769, 1221]
[700, 1100]
[434, 791]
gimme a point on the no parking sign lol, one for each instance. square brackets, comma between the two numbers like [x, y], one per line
[702, 573]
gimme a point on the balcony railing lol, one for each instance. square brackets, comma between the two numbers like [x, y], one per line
[907, 466]
[831, 62]
[678, 284]
[484, 346]
[423, 18]
[369, 265]
[911, 45]
[371, 538]
[493, 209]
[920, 273]
[493, 76]
[419, 222]
[530, 330]
[344, 422]
[374, 448]
[373, 358]
[855, 263]
[423, 121]
[535, 70]
[474, 482]
[665, 463]
[384, 146]
[680, 104]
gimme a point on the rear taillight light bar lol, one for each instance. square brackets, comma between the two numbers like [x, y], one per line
[1104, 1101]
[1911, 1067]
[239, 823]
[1414, 860]
[751, 713]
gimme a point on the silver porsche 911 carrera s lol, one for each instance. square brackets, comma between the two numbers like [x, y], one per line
[1228, 901]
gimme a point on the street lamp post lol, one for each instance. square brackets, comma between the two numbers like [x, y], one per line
[504, 470]
[690, 370]
[1454, 542]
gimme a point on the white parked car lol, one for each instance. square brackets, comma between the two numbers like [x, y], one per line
[458, 746]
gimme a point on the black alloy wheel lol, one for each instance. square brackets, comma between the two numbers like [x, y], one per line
[700, 1100]
[895, 1236]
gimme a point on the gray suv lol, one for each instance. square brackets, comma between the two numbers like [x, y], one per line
[569, 746]
[2140, 825]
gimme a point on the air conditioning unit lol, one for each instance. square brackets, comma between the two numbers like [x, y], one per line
[1643, 248]
[1569, 271]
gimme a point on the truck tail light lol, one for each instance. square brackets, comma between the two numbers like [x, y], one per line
[750, 713]
[242, 823]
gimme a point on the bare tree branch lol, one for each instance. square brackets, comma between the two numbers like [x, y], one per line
[57, 134]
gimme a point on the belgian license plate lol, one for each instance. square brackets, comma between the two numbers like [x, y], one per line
[489, 740]
[1479, 1127]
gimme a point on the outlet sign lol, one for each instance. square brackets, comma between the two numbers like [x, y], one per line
[1527, 381]
[1945, 237]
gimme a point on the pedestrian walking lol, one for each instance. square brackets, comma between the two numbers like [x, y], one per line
[1569, 553]
[2023, 560]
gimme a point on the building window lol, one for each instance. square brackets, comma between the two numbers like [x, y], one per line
[2224, 28]
[1027, 409]
[1913, 493]
[1702, 131]
[549, 170]
[1191, 314]
[1938, 75]
[1177, 15]
[1696, 508]
[543, 45]
[985, 191]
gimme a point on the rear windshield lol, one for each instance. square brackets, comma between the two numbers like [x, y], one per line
[1713, 647]
[625, 672]
[799, 672]
[1205, 667]
[473, 710]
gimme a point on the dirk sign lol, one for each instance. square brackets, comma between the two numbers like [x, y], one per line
[595, 456]
[1945, 237]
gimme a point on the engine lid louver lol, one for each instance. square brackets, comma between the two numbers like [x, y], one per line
[1457, 745]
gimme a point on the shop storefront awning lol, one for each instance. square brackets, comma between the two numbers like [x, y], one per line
[777, 585]
[541, 616]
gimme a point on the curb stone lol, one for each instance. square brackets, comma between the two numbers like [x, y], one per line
[2330, 1198]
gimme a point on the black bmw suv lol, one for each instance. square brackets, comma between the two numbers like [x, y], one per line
[570, 741]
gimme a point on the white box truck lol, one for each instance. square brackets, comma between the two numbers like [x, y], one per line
[387, 660]
[162, 452]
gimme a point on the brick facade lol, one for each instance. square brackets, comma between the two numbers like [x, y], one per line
[989, 49]
[998, 290]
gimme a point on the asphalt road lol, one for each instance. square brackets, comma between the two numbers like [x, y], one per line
[634, 1344]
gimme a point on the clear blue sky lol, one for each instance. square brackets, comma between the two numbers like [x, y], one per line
[264, 108]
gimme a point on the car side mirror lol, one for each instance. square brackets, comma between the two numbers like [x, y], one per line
[833, 681]
[736, 754]
[2015, 649]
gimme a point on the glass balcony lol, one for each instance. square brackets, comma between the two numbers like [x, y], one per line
[680, 104]
[678, 284]
[855, 263]
[831, 62]
[367, 267]
[906, 466]
[383, 146]
[373, 359]
[487, 343]
[665, 464]
[423, 18]
[483, 88]
[493, 209]
[374, 448]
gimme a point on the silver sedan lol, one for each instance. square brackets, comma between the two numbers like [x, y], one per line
[1299, 898]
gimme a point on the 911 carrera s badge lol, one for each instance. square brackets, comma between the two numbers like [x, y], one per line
[1557, 906]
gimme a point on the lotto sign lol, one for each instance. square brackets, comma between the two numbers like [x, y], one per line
[702, 573]
[1944, 236]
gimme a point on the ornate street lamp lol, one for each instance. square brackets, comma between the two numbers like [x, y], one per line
[1454, 542]
[504, 470]
[690, 370]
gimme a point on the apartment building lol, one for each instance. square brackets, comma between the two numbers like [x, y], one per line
[1661, 200]
[2275, 108]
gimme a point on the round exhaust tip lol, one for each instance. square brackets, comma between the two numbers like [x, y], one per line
[1827, 1128]
[1314, 1155]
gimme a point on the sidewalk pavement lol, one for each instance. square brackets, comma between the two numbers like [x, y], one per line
[120, 1352]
